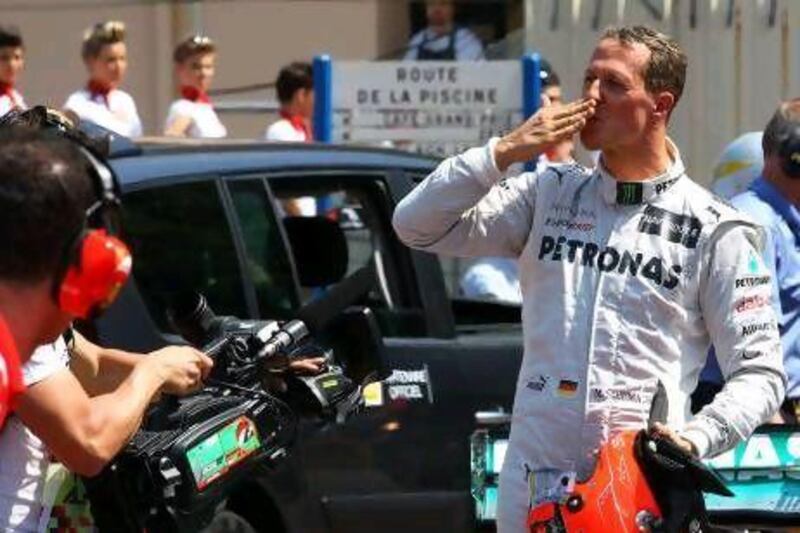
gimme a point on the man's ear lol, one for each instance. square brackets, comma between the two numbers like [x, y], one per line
[663, 104]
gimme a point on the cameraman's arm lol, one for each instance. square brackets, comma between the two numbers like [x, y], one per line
[101, 370]
[85, 433]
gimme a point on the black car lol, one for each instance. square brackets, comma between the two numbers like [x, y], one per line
[220, 218]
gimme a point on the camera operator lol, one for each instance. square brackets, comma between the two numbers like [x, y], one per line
[83, 403]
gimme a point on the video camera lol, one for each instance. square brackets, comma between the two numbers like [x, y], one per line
[192, 452]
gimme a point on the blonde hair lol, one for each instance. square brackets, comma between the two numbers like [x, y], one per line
[100, 35]
[191, 46]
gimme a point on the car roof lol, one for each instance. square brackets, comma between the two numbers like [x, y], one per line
[146, 159]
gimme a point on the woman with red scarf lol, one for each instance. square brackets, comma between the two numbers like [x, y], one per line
[193, 115]
[102, 101]
[295, 87]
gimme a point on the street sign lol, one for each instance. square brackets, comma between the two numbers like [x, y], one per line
[434, 107]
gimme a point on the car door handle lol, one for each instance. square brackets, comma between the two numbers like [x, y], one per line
[497, 417]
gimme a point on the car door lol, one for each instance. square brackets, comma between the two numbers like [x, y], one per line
[409, 453]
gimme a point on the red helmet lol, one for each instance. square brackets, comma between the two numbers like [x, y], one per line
[616, 497]
[640, 483]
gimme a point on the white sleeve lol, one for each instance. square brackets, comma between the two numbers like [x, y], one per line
[135, 127]
[45, 361]
[458, 210]
[413, 46]
[5, 105]
[282, 131]
[97, 113]
[468, 46]
[737, 299]
[485, 280]
[179, 108]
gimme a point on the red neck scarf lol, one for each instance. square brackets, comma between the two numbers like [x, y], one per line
[7, 89]
[298, 123]
[193, 94]
[98, 88]
[11, 383]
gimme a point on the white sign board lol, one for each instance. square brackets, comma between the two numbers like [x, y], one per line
[437, 107]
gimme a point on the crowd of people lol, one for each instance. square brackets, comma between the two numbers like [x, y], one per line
[103, 101]
[642, 270]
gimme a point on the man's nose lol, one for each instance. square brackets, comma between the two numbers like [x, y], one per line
[592, 90]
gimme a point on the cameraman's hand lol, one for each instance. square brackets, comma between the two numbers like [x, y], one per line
[309, 366]
[549, 126]
[181, 367]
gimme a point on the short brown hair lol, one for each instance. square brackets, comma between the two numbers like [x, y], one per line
[191, 46]
[785, 120]
[666, 68]
[10, 37]
[292, 78]
[100, 35]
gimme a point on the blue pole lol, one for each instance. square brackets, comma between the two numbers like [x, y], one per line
[531, 91]
[323, 98]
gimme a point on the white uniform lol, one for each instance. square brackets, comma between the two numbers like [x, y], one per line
[11, 99]
[283, 130]
[624, 285]
[115, 111]
[24, 458]
[205, 123]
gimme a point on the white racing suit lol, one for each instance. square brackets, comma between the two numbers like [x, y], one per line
[624, 284]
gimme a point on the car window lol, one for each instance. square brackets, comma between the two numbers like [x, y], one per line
[181, 242]
[267, 260]
[356, 205]
[348, 207]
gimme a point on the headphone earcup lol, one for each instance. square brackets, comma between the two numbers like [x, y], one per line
[101, 267]
[790, 153]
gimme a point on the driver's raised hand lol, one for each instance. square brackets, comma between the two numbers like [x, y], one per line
[182, 368]
[545, 129]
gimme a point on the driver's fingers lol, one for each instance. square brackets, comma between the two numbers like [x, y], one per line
[583, 106]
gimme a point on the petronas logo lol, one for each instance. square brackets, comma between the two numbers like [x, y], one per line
[629, 193]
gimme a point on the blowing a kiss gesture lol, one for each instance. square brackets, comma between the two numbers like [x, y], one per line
[545, 129]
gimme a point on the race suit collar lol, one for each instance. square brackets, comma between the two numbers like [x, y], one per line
[639, 192]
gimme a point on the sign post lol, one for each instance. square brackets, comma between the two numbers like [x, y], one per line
[322, 70]
[531, 91]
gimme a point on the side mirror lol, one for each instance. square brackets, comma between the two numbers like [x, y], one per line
[356, 340]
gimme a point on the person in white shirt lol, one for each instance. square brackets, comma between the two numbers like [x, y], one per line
[193, 115]
[12, 61]
[54, 198]
[443, 40]
[102, 101]
[295, 88]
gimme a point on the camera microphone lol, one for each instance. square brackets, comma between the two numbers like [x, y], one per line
[286, 337]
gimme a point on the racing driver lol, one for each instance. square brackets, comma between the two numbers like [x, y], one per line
[628, 274]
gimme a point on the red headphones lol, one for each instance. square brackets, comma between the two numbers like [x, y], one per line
[97, 264]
